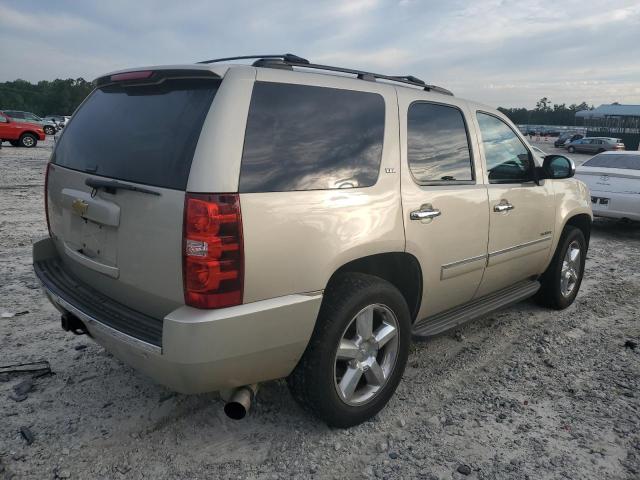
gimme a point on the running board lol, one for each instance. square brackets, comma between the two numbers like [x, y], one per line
[440, 322]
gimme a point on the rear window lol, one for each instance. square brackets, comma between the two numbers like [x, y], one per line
[629, 162]
[311, 138]
[142, 134]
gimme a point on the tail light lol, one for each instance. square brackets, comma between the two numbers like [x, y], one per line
[213, 256]
[140, 75]
[46, 196]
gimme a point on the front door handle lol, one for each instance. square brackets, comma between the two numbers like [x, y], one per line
[503, 206]
[426, 212]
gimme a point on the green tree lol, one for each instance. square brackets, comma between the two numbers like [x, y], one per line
[545, 113]
[59, 96]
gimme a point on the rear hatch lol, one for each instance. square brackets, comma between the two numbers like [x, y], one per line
[117, 180]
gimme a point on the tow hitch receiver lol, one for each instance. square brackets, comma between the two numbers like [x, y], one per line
[71, 323]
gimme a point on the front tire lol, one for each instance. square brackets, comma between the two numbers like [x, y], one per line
[562, 280]
[28, 140]
[571, 149]
[357, 353]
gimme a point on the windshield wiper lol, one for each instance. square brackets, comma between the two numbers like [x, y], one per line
[110, 186]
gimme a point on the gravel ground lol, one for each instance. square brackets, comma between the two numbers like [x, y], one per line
[525, 393]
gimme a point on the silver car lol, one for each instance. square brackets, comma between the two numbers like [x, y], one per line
[50, 127]
[595, 145]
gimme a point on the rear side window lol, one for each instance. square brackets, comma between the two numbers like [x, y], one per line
[300, 137]
[142, 134]
[630, 162]
[438, 145]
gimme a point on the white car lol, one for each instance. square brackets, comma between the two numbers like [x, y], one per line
[614, 181]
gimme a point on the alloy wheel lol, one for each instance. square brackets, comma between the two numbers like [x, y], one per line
[366, 355]
[570, 273]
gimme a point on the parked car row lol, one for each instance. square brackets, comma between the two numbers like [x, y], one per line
[59, 120]
[24, 129]
[566, 138]
[49, 127]
[20, 134]
[576, 142]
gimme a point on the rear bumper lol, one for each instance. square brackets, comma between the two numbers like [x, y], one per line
[621, 205]
[198, 350]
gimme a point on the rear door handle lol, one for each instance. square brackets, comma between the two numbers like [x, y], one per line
[426, 212]
[503, 206]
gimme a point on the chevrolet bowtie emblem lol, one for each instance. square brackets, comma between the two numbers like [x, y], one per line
[80, 206]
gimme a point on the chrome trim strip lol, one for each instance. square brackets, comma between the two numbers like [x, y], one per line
[462, 262]
[107, 330]
[517, 247]
[451, 270]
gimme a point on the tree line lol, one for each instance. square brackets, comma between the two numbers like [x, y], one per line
[545, 113]
[62, 97]
[57, 97]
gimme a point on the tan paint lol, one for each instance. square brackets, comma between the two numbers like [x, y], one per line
[295, 241]
[457, 235]
[144, 249]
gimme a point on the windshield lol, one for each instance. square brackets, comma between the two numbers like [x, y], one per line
[142, 134]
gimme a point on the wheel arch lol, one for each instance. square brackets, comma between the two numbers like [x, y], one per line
[582, 221]
[30, 132]
[401, 269]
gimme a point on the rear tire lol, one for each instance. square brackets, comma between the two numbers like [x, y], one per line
[346, 386]
[49, 130]
[28, 140]
[562, 279]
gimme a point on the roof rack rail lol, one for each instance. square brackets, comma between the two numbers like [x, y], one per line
[287, 57]
[290, 60]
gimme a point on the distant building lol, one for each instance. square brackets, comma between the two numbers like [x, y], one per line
[614, 120]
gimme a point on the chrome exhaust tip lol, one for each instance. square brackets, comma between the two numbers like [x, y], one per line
[239, 403]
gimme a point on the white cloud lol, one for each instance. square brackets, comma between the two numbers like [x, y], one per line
[501, 52]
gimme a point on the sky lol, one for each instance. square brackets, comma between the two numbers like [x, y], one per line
[499, 52]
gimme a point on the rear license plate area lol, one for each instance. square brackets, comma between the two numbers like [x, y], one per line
[600, 202]
[93, 240]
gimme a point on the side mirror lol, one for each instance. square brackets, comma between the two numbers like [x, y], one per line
[557, 167]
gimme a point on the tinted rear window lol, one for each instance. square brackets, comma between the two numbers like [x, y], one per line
[311, 138]
[630, 162]
[142, 134]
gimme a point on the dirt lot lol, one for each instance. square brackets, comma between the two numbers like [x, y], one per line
[526, 393]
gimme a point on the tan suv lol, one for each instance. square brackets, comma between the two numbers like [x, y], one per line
[219, 225]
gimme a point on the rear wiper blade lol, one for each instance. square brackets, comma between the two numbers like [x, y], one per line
[110, 186]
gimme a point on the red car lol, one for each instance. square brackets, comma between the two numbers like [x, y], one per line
[20, 134]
